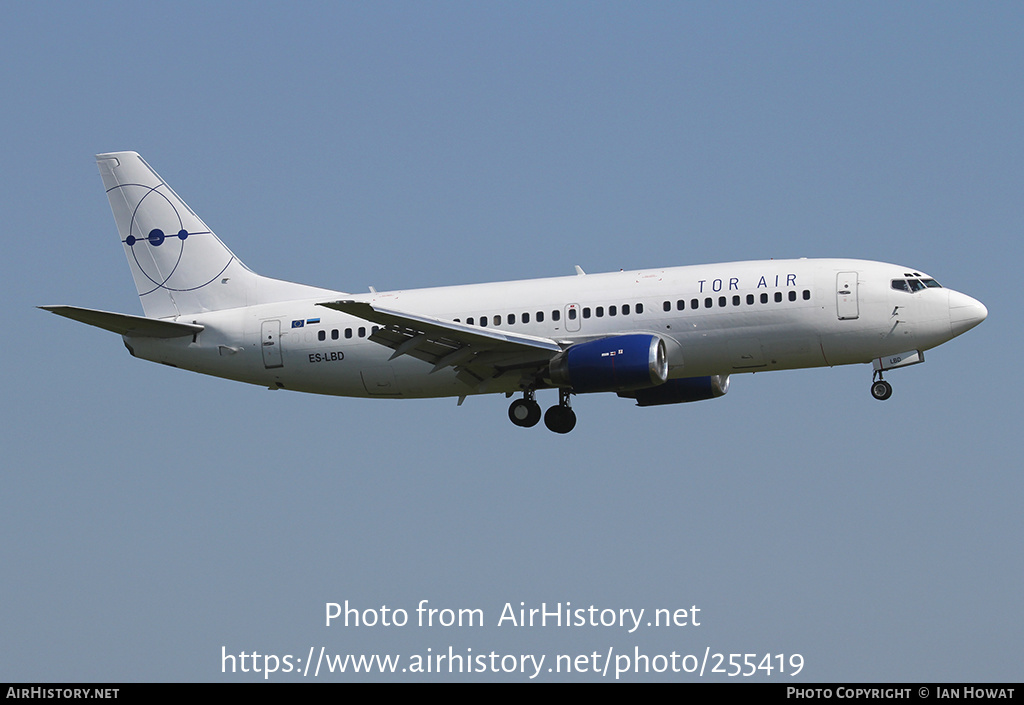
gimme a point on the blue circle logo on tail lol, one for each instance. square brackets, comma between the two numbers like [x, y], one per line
[157, 239]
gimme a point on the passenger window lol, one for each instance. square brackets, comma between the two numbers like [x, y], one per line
[362, 332]
[586, 312]
[667, 306]
[334, 334]
[572, 314]
[750, 299]
[707, 303]
[526, 318]
[736, 300]
[694, 304]
[348, 332]
[764, 298]
[497, 319]
[511, 319]
[680, 305]
[721, 301]
[556, 315]
[639, 308]
[540, 316]
[807, 294]
[792, 296]
[611, 310]
[625, 309]
[483, 321]
[599, 311]
[469, 321]
[321, 335]
[778, 297]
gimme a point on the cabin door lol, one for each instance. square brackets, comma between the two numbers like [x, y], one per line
[846, 296]
[270, 341]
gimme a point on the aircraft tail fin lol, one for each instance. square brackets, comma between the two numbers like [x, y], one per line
[179, 265]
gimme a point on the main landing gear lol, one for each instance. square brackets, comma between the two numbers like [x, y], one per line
[561, 418]
[525, 412]
[880, 389]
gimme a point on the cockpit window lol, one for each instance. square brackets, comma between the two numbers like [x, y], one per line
[912, 285]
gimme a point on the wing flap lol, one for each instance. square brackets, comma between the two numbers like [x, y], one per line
[414, 344]
[477, 354]
[439, 328]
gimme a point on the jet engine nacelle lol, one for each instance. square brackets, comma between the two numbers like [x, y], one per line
[616, 364]
[677, 391]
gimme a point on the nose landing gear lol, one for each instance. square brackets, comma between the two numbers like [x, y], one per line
[880, 389]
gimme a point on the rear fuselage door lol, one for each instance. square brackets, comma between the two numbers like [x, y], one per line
[270, 340]
[846, 296]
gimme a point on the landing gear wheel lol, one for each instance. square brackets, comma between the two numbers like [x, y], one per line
[560, 419]
[524, 412]
[881, 390]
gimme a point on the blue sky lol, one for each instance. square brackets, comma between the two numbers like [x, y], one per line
[151, 516]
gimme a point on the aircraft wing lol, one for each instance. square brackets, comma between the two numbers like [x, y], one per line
[126, 324]
[478, 354]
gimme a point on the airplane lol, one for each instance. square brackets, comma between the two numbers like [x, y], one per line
[656, 336]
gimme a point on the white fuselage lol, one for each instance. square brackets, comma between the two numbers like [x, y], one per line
[715, 319]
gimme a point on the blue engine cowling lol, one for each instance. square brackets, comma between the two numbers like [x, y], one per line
[616, 364]
[677, 391]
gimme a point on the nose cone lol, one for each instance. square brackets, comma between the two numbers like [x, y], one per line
[964, 312]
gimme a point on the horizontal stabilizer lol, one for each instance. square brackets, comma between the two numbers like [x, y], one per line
[124, 323]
